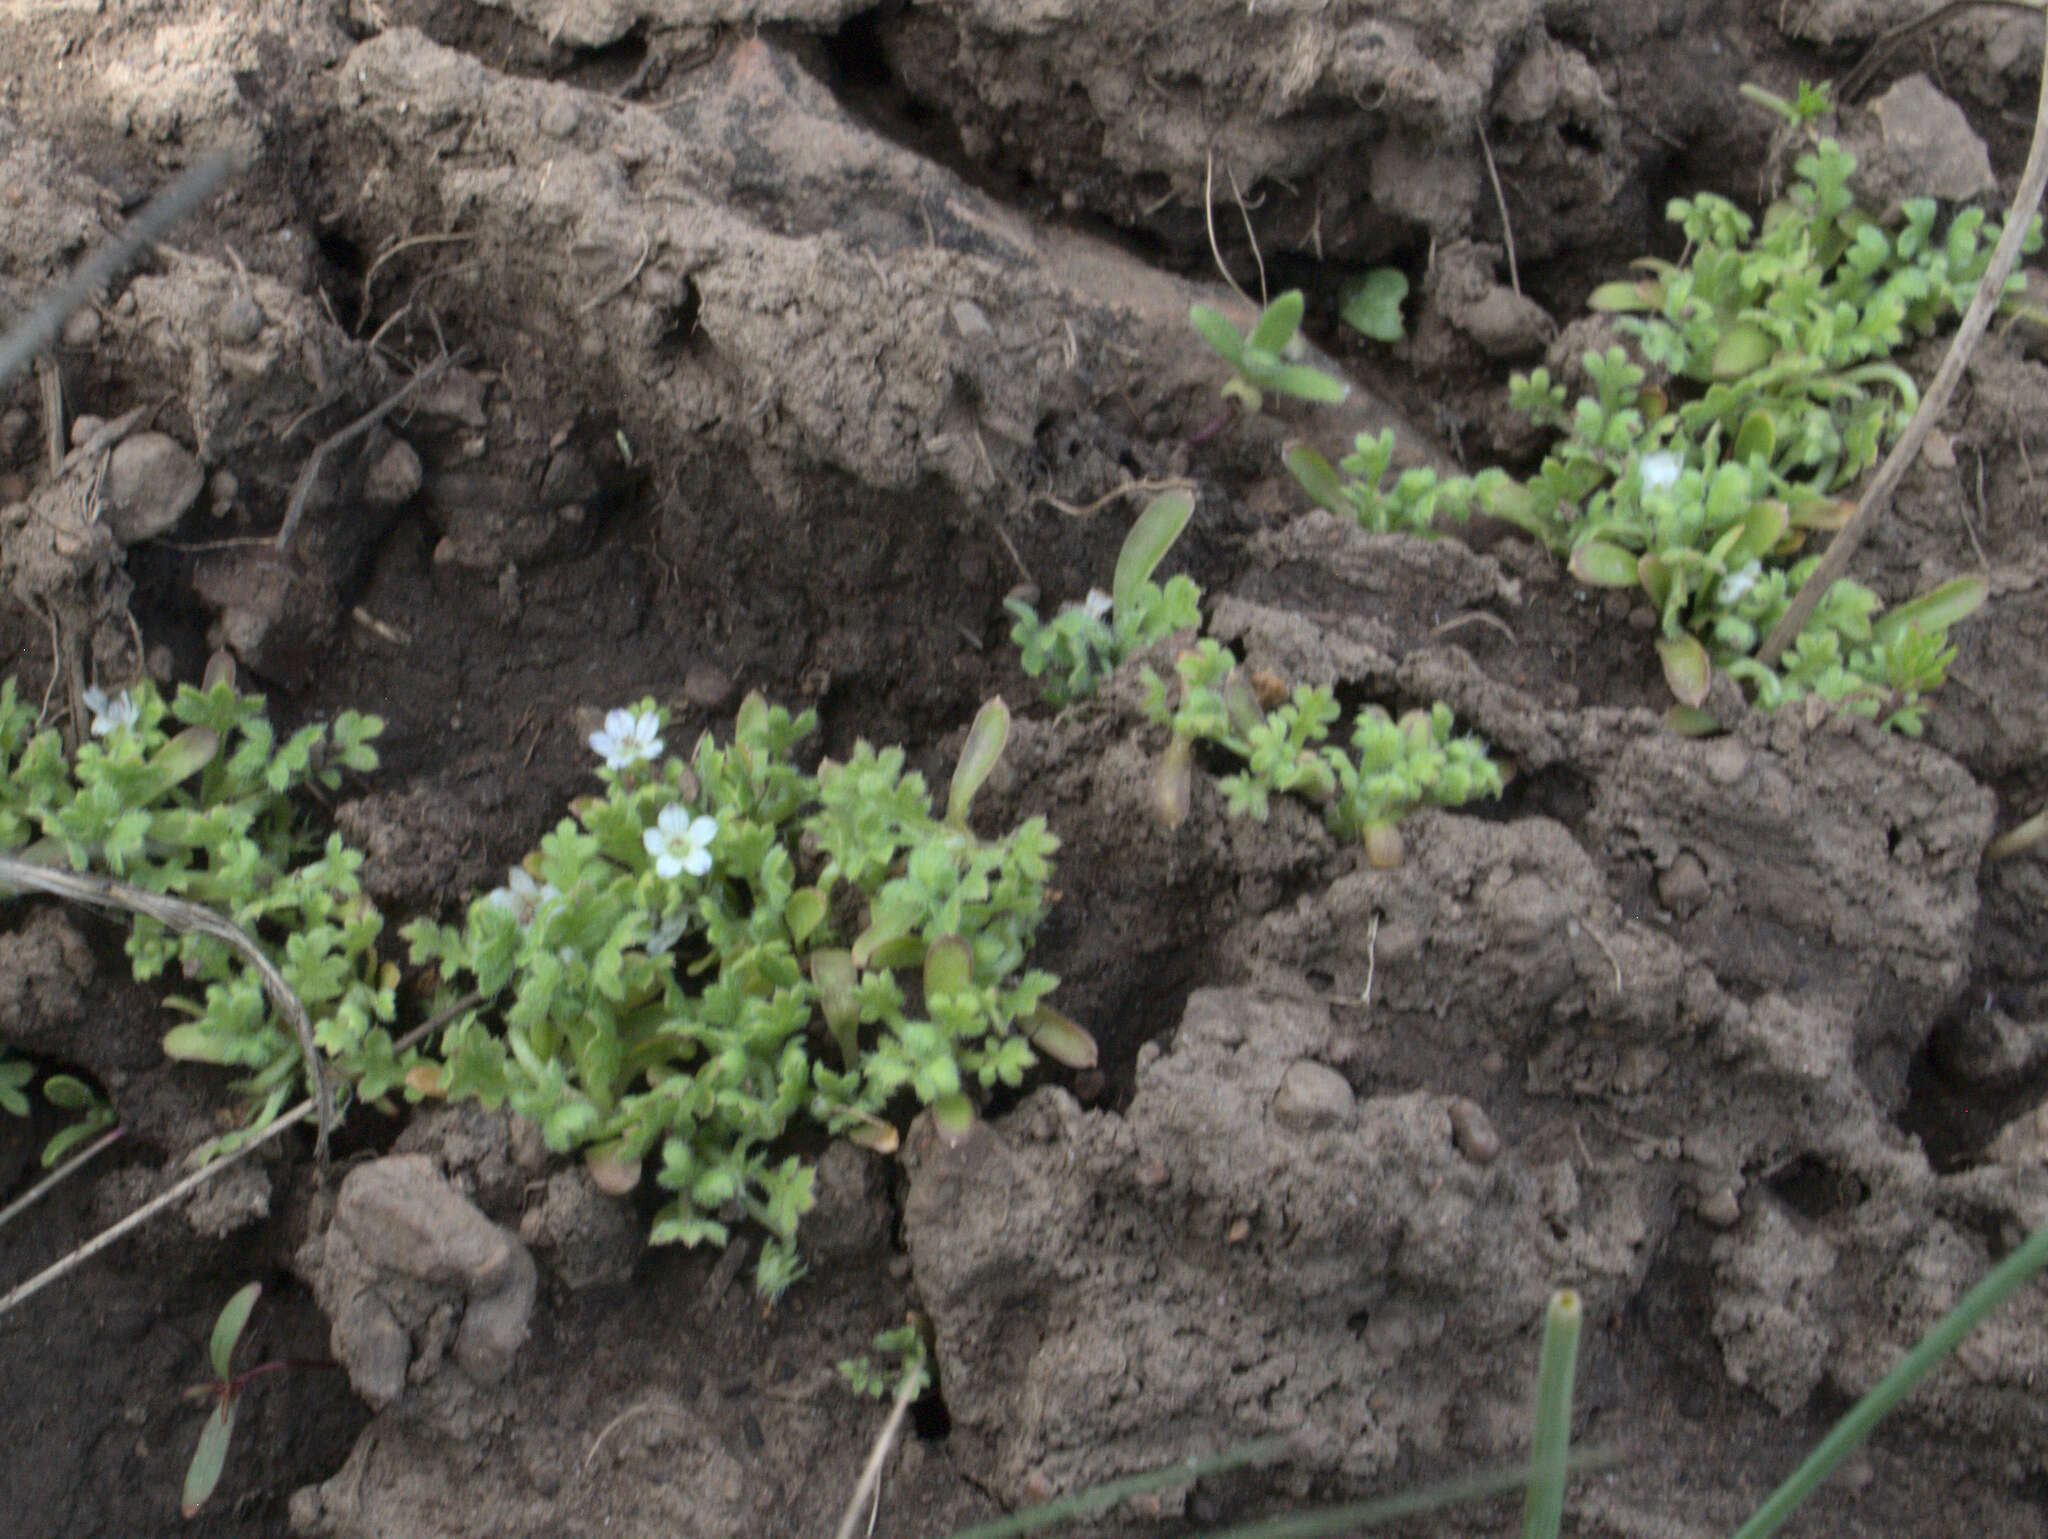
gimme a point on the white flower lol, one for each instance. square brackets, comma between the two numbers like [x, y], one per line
[680, 842]
[629, 738]
[1098, 604]
[1738, 583]
[523, 897]
[109, 715]
[1660, 471]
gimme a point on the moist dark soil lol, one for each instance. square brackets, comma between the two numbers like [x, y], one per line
[782, 342]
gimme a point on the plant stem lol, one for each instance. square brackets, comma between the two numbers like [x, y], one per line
[1995, 1287]
[1877, 496]
[49, 1183]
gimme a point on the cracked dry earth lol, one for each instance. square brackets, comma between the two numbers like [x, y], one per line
[789, 335]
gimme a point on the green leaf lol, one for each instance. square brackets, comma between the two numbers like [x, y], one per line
[1060, 1039]
[1372, 304]
[227, 1330]
[1934, 611]
[210, 1457]
[1305, 383]
[978, 756]
[1601, 565]
[954, 1117]
[1277, 324]
[1742, 351]
[1151, 537]
[1638, 294]
[1218, 333]
[1686, 668]
[1318, 477]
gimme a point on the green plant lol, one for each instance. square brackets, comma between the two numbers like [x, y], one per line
[910, 1377]
[1390, 767]
[1701, 491]
[711, 956]
[195, 797]
[225, 1391]
[66, 1092]
[1261, 359]
[1811, 104]
[1082, 644]
[1371, 303]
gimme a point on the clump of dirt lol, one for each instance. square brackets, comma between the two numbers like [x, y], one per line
[705, 359]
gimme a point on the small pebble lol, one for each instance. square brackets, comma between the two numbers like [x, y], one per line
[559, 118]
[972, 320]
[391, 481]
[1312, 1096]
[83, 329]
[1720, 1208]
[1683, 887]
[221, 490]
[239, 321]
[707, 687]
[1239, 1231]
[1727, 761]
[151, 480]
[1473, 1132]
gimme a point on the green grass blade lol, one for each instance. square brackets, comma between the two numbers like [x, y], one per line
[1997, 1285]
[227, 1330]
[1387, 1509]
[1550, 1445]
[1151, 537]
[1081, 1504]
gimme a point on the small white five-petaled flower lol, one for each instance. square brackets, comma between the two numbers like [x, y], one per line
[679, 842]
[1736, 585]
[109, 715]
[1098, 604]
[629, 738]
[524, 897]
[1660, 471]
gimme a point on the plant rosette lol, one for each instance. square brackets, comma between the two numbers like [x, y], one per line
[709, 958]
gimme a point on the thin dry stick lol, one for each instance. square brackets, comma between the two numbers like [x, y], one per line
[446, 238]
[1128, 489]
[65, 1265]
[164, 210]
[195, 918]
[1500, 200]
[149, 1210]
[1250, 234]
[1990, 290]
[647, 246]
[60, 1175]
[871, 1476]
[1209, 219]
[302, 489]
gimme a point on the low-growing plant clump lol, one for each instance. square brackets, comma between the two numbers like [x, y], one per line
[1696, 471]
[709, 957]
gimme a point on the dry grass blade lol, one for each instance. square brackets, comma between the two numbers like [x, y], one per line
[194, 919]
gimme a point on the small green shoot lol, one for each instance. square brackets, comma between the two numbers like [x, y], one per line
[910, 1377]
[225, 1391]
[1372, 304]
[1261, 360]
[1081, 645]
[1813, 102]
[1550, 1444]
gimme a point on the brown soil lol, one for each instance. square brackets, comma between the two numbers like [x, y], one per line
[783, 329]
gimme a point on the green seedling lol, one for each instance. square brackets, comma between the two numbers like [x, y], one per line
[65, 1092]
[910, 1377]
[1081, 645]
[1813, 103]
[225, 1392]
[1372, 304]
[1357, 488]
[1262, 359]
[197, 797]
[1550, 1442]
[1391, 766]
[713, 959]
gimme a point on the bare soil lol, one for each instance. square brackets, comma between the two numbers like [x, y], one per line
[787, 338]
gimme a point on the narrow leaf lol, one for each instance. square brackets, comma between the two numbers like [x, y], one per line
[1278, 323]
[1151, 537]
[1305, 383]
[208, 1459]
[227, 1330]
[1644, 294]
[1543, 1508]
[1935, 611]
[1218, 333]
[1317, 476]
[978, 756]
